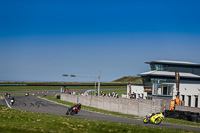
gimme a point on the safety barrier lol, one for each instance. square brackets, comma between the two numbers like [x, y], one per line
[183, 115]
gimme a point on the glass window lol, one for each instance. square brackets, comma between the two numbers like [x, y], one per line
[170, 88]
[153, 67]
[189, 101]
[159, 89]
[180, 69]
[196, 71]
[183, 97]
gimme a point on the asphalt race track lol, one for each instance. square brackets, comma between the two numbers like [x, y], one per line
[34, 104]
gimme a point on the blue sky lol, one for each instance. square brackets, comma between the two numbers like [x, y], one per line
[41, 40]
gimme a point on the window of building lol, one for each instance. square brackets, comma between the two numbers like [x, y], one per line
[164, 89]
[183, 97]
[170, 89]
[196, 101]
[196, 71]
[153, 67]
[159, 67]
[180, 69]
[159, 89]
[189, 101]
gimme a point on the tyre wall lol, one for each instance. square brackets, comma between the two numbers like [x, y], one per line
[183, 115]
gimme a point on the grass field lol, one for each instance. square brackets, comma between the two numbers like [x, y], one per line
[32, 88]
[78, 89]
[14, 121]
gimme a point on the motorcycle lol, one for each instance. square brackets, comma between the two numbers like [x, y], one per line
[74, 110]
[12, 101]
[154, 118]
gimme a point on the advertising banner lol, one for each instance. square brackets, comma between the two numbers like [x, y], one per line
[177, 78]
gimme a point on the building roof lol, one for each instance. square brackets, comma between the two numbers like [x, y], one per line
[174, 62]
[168, 74]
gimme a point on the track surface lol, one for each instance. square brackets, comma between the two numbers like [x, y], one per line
[35, 104]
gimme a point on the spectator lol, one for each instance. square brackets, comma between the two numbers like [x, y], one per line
[116, 96]
[132, 96]
[113, 94]
[101, 93]
[109, 94]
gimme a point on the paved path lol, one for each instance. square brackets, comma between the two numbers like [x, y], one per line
[35, 104]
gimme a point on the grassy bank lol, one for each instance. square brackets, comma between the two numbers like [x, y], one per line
[14, 121]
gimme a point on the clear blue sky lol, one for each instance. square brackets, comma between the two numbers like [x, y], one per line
[41, 40]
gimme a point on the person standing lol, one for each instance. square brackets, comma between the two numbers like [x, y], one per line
[172, 107]
[177, 100]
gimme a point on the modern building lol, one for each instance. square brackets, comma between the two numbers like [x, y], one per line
[160, 81]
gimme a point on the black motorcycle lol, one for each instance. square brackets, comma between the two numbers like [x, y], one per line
[12, 101]
[74, 110]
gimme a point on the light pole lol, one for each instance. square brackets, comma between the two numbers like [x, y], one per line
[99, 78]
[96, 77]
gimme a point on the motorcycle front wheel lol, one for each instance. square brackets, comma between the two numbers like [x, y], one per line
[146, 121]
[158, 121]
[67, 113]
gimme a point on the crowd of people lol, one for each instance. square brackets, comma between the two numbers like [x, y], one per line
[113, 94]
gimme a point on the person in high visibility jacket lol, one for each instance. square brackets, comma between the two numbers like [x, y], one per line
[177, 100]
[172, 107]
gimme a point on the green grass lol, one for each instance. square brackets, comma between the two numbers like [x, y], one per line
[181, 122]
[28, 88]
[166, 120]
[32, 88]
[117, 89]
[15, 121]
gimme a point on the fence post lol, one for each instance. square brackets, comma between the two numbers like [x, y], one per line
[77, 99]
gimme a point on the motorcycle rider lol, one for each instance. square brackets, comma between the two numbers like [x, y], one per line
[150, 115]
[74, 109]
[8, 96]
[78, 106]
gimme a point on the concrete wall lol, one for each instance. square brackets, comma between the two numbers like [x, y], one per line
[191, 109]
[140, 107]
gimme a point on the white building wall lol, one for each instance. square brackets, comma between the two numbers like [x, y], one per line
[190, 90]
[137, 89]
[199, 99]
